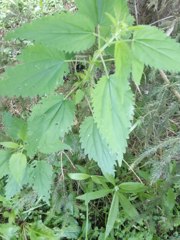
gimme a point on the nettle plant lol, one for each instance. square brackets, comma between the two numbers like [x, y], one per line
[102, 37]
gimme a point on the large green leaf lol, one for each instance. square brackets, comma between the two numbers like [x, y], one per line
[50, 120]
[97, 9]
[113, 112]
[41, 179]
[17, 166]
[113, 213]
[152, 47]
[96, 147]
[15, 128]
[68, 32]
[4, 163]
[40, 72]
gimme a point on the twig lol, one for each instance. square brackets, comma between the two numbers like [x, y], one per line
[136, 11]
[166, 80]
[132, 170]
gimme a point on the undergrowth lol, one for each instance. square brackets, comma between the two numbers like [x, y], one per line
[152, 156]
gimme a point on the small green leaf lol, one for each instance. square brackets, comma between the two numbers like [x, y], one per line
[79, 176]
[16, 128]
[132, 187]
[128, 208]
[123, 57]
[170, 199]
[12, 145]
[79, 96]
[137, 70]
[99, 180]
[87, 197]
[41, 179]
[113, 213]
[12, 187]
[9, 231]
[17, 166]
[4, 163]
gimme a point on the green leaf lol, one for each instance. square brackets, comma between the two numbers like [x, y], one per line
[12, 187]
[113, 112]
[50, 120]
[152, 47]
[96, 147]
[137, 70]
[15, 128]
[113, 213]
[123, 58]
[170, 199]
[41, 179]
[38, 231]
[17, 166]
[4, 163]
[79, 96]
[64, 32]
[12, 145]
[79, 176]
[128, 208]
[87, 197]
[40, 71]
[8, 231]
[132, 187]
[96, 10]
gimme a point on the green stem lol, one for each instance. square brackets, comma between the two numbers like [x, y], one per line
[87, 213]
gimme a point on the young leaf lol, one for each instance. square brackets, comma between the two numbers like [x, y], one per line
[152, 47]
[113, 213]
[132, 187]
[17, 166]
[41, 179]
[96, 10]
[113, 112]
[4, 163]
[87, 197]
[12, 145]
[79, 176]
[96, 147]
[40, 72]
[49, 121]
[62, 31]
[16, 128]
[128, 208]
[137, 70]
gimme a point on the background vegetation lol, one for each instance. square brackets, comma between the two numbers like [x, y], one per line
[152, 155]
